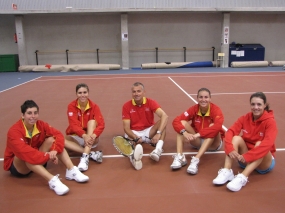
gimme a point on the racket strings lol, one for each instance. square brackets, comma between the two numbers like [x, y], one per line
[123, 146]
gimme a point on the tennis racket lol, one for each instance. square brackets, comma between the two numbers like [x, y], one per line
[125, 146]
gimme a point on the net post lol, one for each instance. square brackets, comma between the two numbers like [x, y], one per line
[156, 54]
[184, 48]
[213, 48]
[66, 51]
[97, 50]
[37, 57]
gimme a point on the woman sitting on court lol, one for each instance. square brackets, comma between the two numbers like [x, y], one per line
[31, 143]
[86, 124]
[203, 132]
[250, 141]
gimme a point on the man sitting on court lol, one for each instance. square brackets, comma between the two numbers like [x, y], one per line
[139, 125]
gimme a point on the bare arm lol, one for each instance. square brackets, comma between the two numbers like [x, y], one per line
[163, 119]
[127, 129]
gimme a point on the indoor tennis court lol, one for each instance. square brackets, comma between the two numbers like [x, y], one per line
[115, 186]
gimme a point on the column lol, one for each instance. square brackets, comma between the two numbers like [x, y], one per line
[22, 51]
[225, 39]
[125, 41]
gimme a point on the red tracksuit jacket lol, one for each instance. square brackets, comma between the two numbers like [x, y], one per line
[20, 144]
[78, 120]
[201, 123]
[264, 129]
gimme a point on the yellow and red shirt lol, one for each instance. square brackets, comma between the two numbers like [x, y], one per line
[140, 116]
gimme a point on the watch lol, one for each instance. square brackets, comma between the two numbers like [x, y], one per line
[182, 131]
[158, 132]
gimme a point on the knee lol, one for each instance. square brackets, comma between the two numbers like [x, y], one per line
[257, 143]
[183, 123]
[91, 124]
[49, 141]
[237, 139]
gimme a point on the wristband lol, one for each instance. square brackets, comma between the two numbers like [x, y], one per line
[182, 131]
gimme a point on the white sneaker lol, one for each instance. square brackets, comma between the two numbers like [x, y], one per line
[75, 174]
[155, 154]
[137, 156]
[83, 164]
[237, 183]
[178, 162]
[224, 175]
[96, 156]
[193, 167]
[56, 185]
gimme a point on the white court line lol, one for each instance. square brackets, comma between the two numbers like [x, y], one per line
[20, 84]
[242, 93]
[166, 154]
[190, 97]
[182, 75]
[227, 75]
[105, 78]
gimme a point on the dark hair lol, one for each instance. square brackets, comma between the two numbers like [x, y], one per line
[28, 104]
[138, 84]
[78, 86]
[203, 89]
[262, 96]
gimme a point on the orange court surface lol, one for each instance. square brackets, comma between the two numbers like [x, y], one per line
[114, 185]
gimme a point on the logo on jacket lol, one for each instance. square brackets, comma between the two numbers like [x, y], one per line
[186, 114]
[261, 134]
[132, 111]
[146, 109]
[244, 130]
[70, 113]
[197, 121]
[79, 114]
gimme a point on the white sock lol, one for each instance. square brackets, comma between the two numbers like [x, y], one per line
[159, 144]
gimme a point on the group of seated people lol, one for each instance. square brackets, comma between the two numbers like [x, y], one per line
[250, 141]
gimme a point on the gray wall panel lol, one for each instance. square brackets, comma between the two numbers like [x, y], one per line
[7, 31]
[46, 32]
[81, 32]
[40, 6]
[173, 31]
[268, 30]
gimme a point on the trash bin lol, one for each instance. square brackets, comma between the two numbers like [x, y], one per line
[9, 63]
[246, 52]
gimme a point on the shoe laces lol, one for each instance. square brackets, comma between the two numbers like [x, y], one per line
[56, 178]
[158, 151]
[176, 158]
[241, 178]
[84, 160]
[194, 160]
[222, 171]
